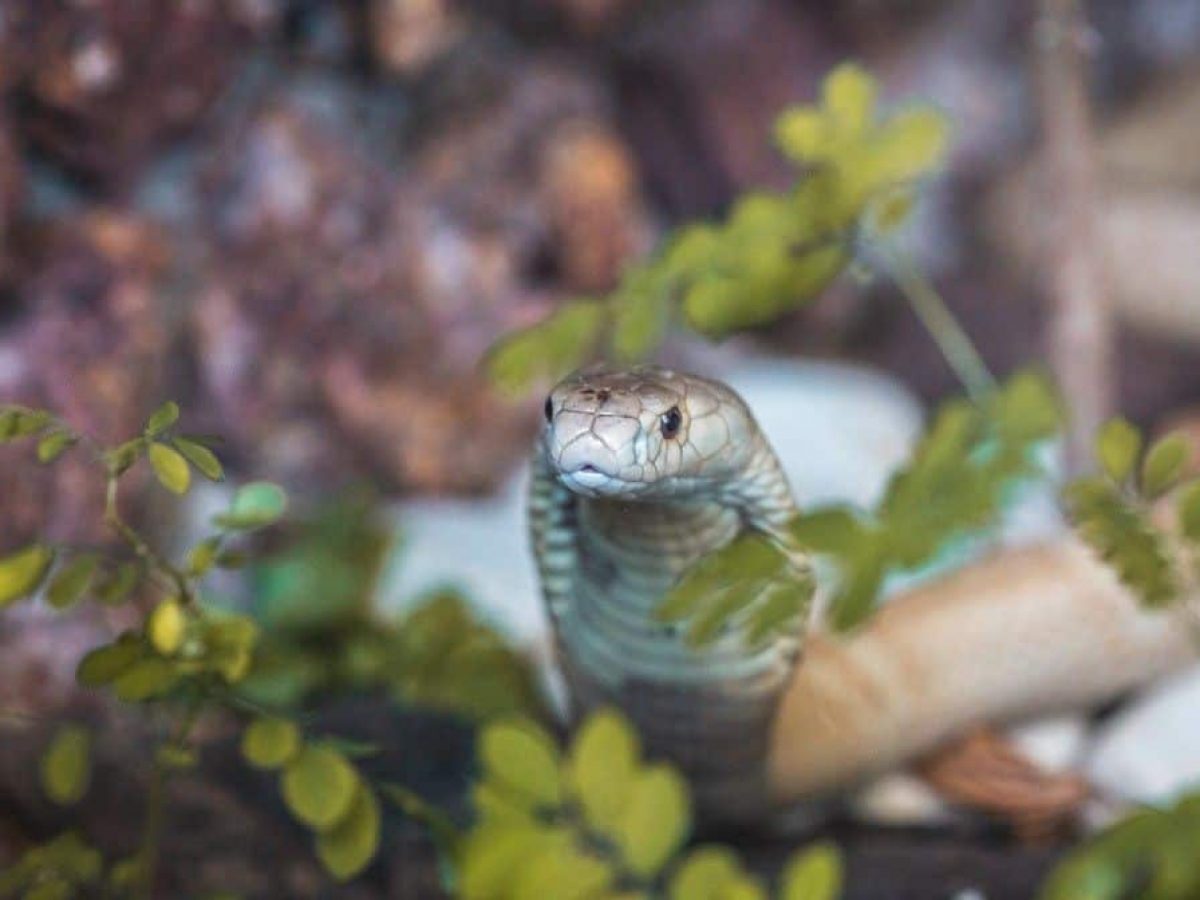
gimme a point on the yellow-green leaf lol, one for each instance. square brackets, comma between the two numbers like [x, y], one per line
[162, 419]
[319, 786]
[170, 468]
[255, 505]
[603, 765]
[71, 583]
[656, 820]
[708, 873]
[53, 445]
[814, 874]
[202, 556]
[348, 848]
[166, 626]
[523, 758]
[1164, 464]
[1189, 511]
[270, 742]
[66, 765]
[22, 572]
[103, 664]
[201, 457]
[494, 854]
[564, 873]
[145, 679]
[848, 95]
[1117, 447]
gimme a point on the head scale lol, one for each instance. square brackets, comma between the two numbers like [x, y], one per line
[646, 433]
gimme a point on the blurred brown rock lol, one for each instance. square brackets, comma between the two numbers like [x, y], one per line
[89, 341]
[346, 309]
[407, 35]
[102, 84]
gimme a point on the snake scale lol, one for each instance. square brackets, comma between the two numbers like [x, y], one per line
[640, 473]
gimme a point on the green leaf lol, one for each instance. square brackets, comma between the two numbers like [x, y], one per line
[201, 457]
[202, 556]
[170, 468]
[66, 765]
[319, 786]
[814, 874]
[1117, 447]
[1164, 464]
[848, 95]
[602, 767]
[176, 757]
[53, 445]
[1189, 511]
[22, 572]
[145, 680]
[17, 422]
[105, 663]
[523, 758]
[655, 822]
[270, 742]
[494, 854]
[119, 459]
[547, 350]
[562, 872]
[162, 419]
[712, 873]
[167, 626]
[255, 505]
[348, 848]
[72, 581]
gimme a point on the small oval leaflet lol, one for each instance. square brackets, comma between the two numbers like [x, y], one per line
[201, 457]
[66, 766]
[105, 663]
[1164, 463]
[22, 572]
[319, 786]
[602, 766]
[162, 419]
[1117, 447]
[813, 874]
[69, 585]
[166, 626]
[523, 758]
[255, 505]
[270, 742]
[170, 468]
[655, 822]
[349, 846]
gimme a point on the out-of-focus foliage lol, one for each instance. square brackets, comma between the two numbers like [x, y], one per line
[970, 457]
[323, 789]
[600, 822]
[66, 765]
[316, 603]
[772, 254]
[1150, 854]
[1113, 512]
[753, 584]
[56, 870]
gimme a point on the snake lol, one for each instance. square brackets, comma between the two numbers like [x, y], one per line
[640, 473]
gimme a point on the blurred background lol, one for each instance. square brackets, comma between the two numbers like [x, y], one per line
[306, 221]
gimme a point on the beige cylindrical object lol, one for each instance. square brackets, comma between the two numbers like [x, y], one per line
[1023, 633]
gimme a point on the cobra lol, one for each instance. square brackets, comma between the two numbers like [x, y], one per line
[640, 473]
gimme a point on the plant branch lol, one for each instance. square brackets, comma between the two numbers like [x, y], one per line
[112, 517]
[1081, 330]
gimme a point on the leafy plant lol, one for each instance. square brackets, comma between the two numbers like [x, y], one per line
[1114, 511]
[600, 822]
[772, 254]
[316, 602]
[1150, 854]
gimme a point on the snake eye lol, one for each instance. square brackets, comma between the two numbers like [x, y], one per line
[548, 409]
[670, 422]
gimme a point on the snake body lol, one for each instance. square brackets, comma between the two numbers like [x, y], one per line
[640, 473]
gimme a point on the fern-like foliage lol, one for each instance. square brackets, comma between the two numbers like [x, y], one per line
[1150, 854]
[772, 254]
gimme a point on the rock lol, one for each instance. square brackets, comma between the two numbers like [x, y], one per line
[1149, 752]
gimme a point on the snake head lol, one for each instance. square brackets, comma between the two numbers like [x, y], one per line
[646, 433]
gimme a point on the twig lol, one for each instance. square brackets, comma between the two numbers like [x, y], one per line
[1081, 326]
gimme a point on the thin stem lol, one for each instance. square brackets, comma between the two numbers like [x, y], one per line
[943, 327]
[156, 800]
[112, 516]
